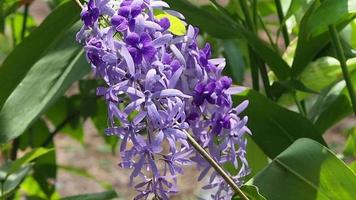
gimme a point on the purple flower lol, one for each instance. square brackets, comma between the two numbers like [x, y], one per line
[158, 88]
[90, 15]
[140, 46]
[125, 18]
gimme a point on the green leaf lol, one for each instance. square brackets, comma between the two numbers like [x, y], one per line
[35, 136]
[17, 20]
[257, 160]
[235, 63]
[273, 127]
[323, 72]
[33, 190]
[306, 170]
[251, 192]
[45, 171]
[209, 18]
[177, 26]
[13, 181]
[350, 146]
[333, 105]
[294, 6]
[342, 10]
[27, 53]
[10, 6]
[102, 196]
[67, 64]
[313, 35]
[27, 158]
[353, 166]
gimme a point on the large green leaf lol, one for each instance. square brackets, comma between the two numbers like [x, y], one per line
[273, 127]
[208, 18]
[50, 77]
[27, 53]
[102, 196]
[313, 35]
[308, 171]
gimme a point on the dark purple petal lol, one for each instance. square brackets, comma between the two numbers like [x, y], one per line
[145, 39]
[135, 10]
[133, 39]
[124, 11]
[148, 52]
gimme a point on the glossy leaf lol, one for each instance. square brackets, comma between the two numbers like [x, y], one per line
[20, 61]
[67, 64]
[313, 35]
[102, 196]
[12, 181]
[306, 170]
[273, 127]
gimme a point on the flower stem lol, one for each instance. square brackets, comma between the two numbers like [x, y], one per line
[281, 20]
[24, 22]
[216, 166]
[335, 39]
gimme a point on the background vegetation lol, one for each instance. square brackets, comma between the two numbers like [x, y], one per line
[297, 56]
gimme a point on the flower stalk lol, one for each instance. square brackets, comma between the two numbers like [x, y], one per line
[216, 166]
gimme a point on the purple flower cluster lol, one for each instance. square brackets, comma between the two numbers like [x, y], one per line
[159, 88]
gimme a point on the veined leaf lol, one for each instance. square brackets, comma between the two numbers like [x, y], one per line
[50, 77]
[273, 127]
[308, 171]
[27, 53]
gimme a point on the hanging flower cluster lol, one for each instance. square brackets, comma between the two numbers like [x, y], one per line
[159, 88]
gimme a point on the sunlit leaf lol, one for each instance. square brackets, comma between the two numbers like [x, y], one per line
[306, 170]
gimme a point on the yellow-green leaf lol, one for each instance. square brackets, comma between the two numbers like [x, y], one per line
[177, 26]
